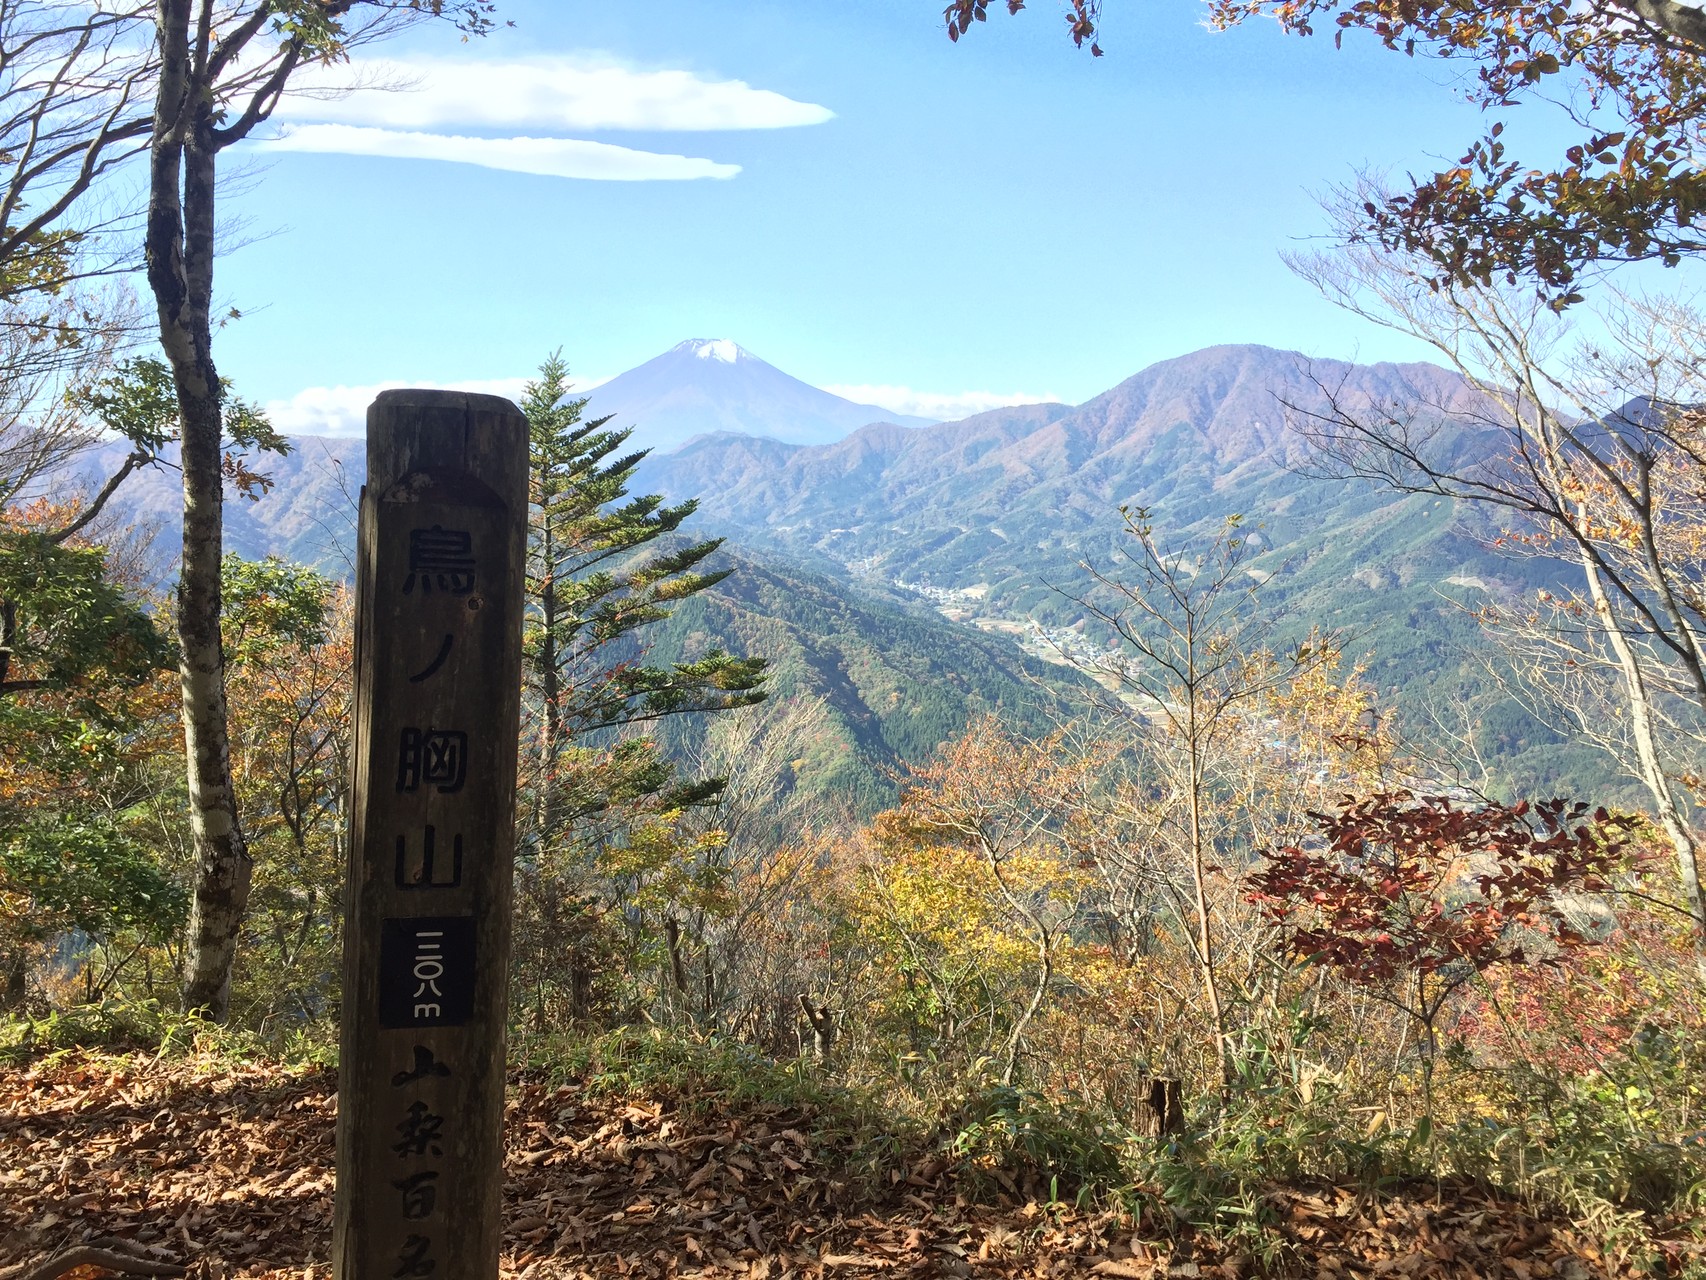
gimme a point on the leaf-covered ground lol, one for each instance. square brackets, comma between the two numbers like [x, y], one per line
[226, 1169]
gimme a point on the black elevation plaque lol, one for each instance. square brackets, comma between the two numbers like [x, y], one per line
[426, 972]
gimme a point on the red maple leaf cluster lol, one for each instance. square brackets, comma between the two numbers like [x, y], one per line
[1401, 884]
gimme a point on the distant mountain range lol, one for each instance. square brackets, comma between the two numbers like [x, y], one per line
[993, 519]
[980, 528]
[995, 507]
[308, 515]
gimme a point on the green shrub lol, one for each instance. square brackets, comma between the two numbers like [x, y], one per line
[147, 1026]
[1002, 1136]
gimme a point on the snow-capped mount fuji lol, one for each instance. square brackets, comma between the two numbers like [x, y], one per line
[708, 385]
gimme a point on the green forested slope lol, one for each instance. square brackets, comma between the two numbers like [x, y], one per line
[898, 679]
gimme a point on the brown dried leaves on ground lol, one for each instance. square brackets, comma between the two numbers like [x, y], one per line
[227, 1169]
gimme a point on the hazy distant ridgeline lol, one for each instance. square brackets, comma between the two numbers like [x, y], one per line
[1195, 438]
[1005, 500]
[308, 515]
[988, 511]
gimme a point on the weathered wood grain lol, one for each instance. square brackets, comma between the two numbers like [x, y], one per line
[426, 943]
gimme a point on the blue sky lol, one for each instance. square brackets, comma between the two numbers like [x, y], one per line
[914, 222]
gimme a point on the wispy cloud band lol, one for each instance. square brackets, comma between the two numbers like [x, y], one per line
[401, 107]
[342, 411]
[944, 406]
[554, 157]
[547, 93]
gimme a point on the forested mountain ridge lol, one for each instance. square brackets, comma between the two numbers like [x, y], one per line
[1193, 438]
[897, 680]
[306, 514]
[991, 518]
[698, 387]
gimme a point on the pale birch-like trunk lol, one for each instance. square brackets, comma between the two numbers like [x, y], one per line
[180, 273]
[213, 90]
[1646, 749]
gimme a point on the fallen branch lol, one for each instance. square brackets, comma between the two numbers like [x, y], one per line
[89, 1256]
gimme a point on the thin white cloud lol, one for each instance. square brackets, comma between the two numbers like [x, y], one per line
[544, 94]
[342, 411]
[943, 406]
[553, 157]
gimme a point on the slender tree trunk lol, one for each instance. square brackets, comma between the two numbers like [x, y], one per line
[180, 272]
[821, 1019]
[1205, 931]
[8, 637]
[1044, 938]
[1045, 979]
[677, 966]
[17, 976]
[1647, 754]
[1194, 743]
[1687, 637]
[547, 805]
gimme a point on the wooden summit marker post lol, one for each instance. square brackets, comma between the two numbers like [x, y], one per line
[426, 936]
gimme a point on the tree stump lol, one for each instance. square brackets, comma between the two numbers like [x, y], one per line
[1162, 1113]
[822, 1021]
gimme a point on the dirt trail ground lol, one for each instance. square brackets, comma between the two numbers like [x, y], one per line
[227, 1171]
